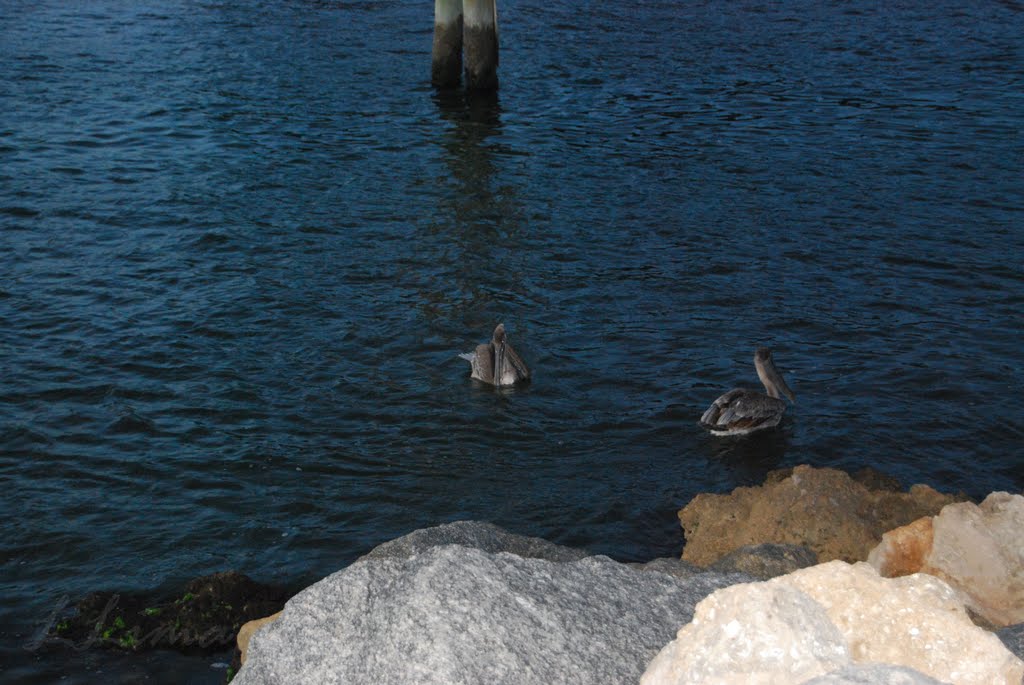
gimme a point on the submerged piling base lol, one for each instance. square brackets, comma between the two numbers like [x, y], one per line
[481, 58]
[446, 65]
[480, 36]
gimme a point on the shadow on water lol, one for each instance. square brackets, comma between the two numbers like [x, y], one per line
[750, 457]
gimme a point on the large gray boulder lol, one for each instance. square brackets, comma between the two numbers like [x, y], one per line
[481, 535]
[453, 613]
[670, 565]
[766, 561]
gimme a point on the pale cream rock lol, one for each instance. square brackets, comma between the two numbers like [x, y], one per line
[916, 621]
[776, 632]
[979, 550]
[751, 634]
[874, 674]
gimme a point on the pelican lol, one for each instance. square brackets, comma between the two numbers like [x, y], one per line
[496, 362]
[742, 411]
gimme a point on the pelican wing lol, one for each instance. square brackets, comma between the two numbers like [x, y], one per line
[513, 369]
[742, 411]
[481, 360]
[483, 363]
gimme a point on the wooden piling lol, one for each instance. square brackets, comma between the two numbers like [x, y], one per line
[446, 65]
[480, 35]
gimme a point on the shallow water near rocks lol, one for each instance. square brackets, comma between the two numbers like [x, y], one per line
[243, 243]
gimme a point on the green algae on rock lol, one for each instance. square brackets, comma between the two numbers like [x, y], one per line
[205, 616]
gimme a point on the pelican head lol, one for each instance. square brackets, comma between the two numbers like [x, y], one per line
[499, 343]
[774, 384]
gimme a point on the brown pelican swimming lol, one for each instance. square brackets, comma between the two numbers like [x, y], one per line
[741, 411]
[496, 362]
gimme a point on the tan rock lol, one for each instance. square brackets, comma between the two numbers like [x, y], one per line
[247, 629]
[821, 620]
[978, 549]
[822, 509]
[902, 551]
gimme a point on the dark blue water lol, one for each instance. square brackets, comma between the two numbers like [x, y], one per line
[243, 242]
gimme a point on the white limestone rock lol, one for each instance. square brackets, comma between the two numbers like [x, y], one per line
[452, 614]
[978, 549]
[873, 674]
[751, 634]
[918, 622]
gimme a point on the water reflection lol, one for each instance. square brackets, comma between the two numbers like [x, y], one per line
[750, 457]
[480, 108]
[473, 119]
[479, 219]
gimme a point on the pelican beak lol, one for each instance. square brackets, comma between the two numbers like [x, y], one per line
[780, 383]
[498, 343]
[786, 391]
[499, 361]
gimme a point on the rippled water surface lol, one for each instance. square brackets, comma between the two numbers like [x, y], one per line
[243, 242]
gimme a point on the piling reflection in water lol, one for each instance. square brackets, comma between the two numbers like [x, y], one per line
[481, 218]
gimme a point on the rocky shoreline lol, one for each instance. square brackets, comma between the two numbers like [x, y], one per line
[787, 582]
